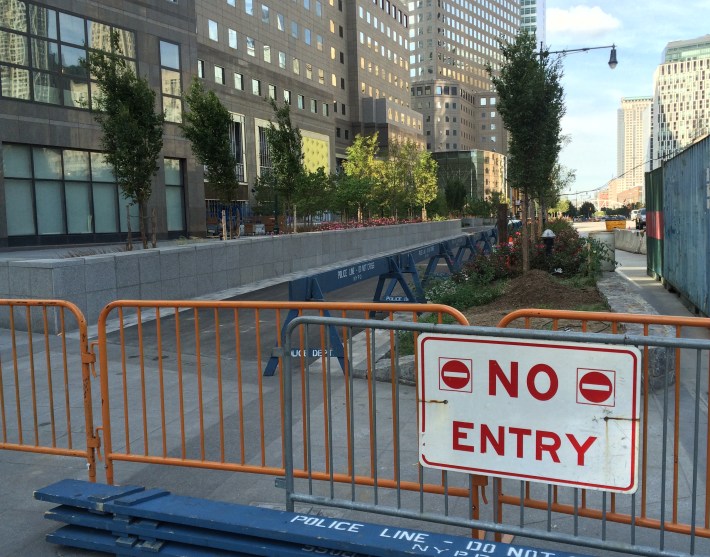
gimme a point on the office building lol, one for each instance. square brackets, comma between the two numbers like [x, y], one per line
[452, 42]
[532, 18]
[632, 146]
[341, 65]
[681, 99]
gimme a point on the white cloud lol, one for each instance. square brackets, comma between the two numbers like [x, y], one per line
[580, 21]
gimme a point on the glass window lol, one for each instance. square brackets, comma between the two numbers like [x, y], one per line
[99, 36]
[301, 102]
[232, 38]
[76, 165]
[264, 14]
[294, 29]
[319, 42]
[272, 92]
[256, 87]
[267, 54]
[201, 69]
[238, 81]
[47, 163]
[45, 55]
[71, 61]
[19, 210]
[219, 75]
[105, 207]
[78, 204]
[307, 4]
[296, 66]
[173, 109]
[16, 161]
[46, 88]
[314, 106]
[169, 55]
[251, 46]
[101, 170]
[71, 29]
[282, 60]
[174, 195]
[249, 7]
[287, 96]
[48, 197]
[13, 48]
[43, 22]
[12, 15]
[213, 32]
[319, 8]
[307, 36]
[280, 22]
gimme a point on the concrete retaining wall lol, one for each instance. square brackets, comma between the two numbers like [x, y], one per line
[174, 272]
[633, 241]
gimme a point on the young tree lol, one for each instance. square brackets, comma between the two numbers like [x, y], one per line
[286, 152]
[365, 171]
[530, 101]
[425, 183]
[132, 130]
[206, 126]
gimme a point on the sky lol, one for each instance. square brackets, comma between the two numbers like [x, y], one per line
[593, 92]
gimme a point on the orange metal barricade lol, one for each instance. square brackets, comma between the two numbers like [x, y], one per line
[183, 384]
[43, 380]
[670, 385]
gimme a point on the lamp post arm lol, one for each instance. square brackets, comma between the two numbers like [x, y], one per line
[612, 58]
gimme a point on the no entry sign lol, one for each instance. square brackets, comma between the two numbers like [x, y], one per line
[556, 412]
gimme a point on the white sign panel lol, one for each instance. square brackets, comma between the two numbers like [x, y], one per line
[556, 412]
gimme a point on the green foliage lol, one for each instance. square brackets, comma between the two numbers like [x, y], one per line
[402, 181]
[463, 294]
[132, 130]
[286, 152]
[587, 209]
[531, 103]
[206, 126]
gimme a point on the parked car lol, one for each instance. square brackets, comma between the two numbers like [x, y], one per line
[641, 219]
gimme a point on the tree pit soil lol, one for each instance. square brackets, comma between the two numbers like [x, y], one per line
[540, 290]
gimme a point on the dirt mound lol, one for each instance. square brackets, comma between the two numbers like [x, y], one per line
[536, 289]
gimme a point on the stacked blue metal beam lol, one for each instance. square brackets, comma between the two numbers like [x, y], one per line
[133, 521]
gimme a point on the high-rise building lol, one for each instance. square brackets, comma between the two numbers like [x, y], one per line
[341, 65]
[681, 99]
[451, 43]
[532, 18]
[633, 133]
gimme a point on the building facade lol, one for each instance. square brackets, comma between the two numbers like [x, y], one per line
[532, 18]
[452, 42]
[342, 66]
[681, 99]
[633, 134]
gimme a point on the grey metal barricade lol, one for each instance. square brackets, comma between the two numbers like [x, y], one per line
[367, 430]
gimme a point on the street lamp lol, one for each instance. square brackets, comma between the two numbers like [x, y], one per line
[612, 57]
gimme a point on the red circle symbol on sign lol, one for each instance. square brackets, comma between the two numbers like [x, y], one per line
[595, 387]
[455, 374]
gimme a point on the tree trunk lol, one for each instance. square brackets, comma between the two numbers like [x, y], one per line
[153, 226]
[142, 220]
[525, 238]
[129, 239]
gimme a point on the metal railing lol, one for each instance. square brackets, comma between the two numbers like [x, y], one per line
[183, 382]
[667, 516]
[45, 381]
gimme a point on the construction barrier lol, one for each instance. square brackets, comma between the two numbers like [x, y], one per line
[668, 515]
[674, 449]
[182, 382]
[45, 379]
